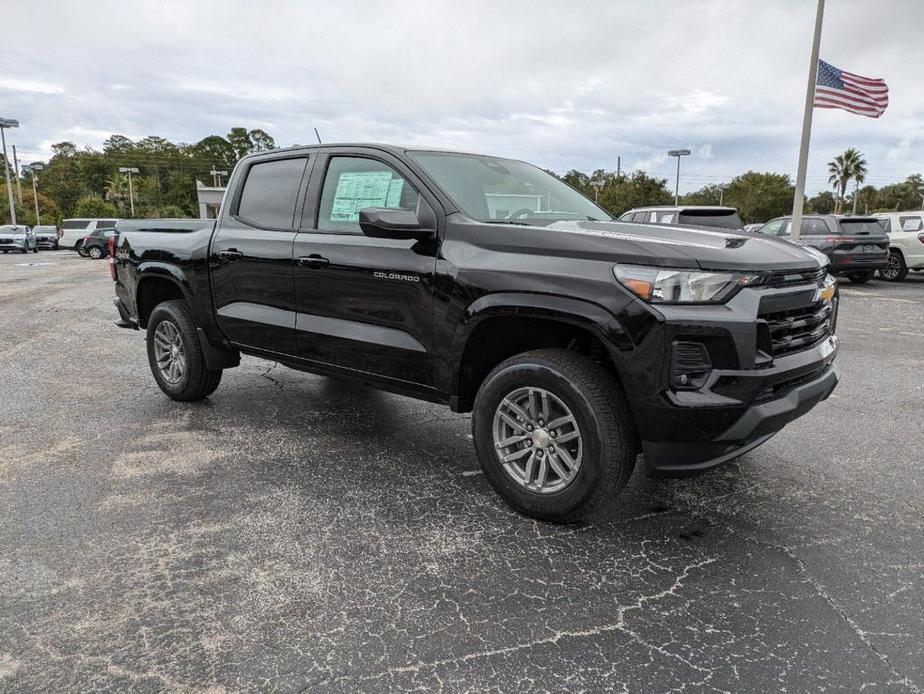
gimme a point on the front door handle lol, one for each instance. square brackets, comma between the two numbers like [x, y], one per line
[230, 254]
[313, 261]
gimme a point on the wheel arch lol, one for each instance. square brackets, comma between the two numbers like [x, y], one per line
[156, 285]
[498, 326]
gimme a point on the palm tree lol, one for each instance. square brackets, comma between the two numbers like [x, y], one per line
[841, 169]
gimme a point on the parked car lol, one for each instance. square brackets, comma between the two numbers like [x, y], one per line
[906, 244]
[17, 238]
[46, 236]
[74, 231]
[692, 215]
[752, 227]
[96, 244]
[576, 341]
[856, 246]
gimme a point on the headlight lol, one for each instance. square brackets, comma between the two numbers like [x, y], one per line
[669, 286]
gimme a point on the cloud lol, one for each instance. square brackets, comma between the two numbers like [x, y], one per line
[562, 85]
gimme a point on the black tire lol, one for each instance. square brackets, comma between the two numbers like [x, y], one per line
[598, 404]
[897, 270]
[95, 252]
[35, 250]
[81, 251]
[861, 277]
[197, 382]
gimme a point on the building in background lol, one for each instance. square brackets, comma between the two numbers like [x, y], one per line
[209, 200]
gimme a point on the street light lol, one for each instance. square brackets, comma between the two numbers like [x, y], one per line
[216, 177]
[597, 186]
[131, 194]
[36, 167]
[4, 124]
[678, 153]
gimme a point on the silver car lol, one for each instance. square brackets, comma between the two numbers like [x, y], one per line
[46, 236]
[17, 238]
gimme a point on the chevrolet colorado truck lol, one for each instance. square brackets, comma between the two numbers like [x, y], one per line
[488, 285]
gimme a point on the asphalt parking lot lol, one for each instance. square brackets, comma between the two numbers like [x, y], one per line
[294, 533]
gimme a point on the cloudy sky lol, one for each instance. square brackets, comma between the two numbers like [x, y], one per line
[562, 84]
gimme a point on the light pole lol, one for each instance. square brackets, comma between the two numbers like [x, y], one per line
[4, 124]
[722, 194]
[131, 193]
[921, 193]
[597, 186]
[36, 167]
[216, 177]
[677, 153]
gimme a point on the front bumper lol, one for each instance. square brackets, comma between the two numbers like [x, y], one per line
[752, 425]
[767, 366]
[12, 246]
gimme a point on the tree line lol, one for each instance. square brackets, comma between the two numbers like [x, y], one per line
[757, 196]
[87, 183]
[84, 182]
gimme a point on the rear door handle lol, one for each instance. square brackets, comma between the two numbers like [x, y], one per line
[313, 261]
[230, 254]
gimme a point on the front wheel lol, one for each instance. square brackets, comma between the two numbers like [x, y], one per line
[175, 355]
[860, 277]
[35, 250]
[896, 270]
[96, 252]
[553, 434]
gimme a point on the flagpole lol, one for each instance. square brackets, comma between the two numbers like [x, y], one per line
[799, 198]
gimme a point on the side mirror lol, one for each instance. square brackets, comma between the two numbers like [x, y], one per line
[386, 223]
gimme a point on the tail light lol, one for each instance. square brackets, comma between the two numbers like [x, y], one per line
[111, 246]
[86, 239]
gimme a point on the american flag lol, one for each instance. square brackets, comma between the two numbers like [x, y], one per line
[835, 88]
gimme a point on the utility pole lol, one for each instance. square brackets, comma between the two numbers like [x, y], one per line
[36, 167]
[16, 172]
[618, 166]
[216, 177]
[721, 195]
[131, 193]
[4, 124]
[677, 153]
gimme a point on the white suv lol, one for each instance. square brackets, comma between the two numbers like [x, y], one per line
[906, 244]
[73, 231]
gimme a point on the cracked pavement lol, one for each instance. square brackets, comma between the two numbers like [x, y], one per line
[297, 533]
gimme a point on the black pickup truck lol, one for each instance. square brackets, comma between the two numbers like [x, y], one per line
[489, 285]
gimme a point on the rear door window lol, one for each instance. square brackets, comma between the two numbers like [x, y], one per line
[75, 224]
[640, 217]
[270, 193]
[814, 227]
[105, 223]
[666, 218]
[911, 224]
[721, 219]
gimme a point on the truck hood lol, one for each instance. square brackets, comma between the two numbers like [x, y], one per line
[675, 246]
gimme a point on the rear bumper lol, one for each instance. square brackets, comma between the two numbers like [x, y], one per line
[858, 263]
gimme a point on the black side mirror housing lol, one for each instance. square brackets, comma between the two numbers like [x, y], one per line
[387, 223]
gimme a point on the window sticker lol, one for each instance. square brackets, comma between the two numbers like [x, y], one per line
[357, 190]
[911, 224]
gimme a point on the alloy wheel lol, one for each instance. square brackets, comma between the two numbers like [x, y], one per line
[169, 352]
[537, 440]
[890, 271]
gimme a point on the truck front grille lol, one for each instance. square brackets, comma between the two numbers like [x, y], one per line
[796, 329]
[791, 279]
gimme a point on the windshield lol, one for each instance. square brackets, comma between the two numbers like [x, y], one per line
[495, 190]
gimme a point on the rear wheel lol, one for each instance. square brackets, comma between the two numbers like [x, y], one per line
[81, 251]
[95, 252]
[35, 250]
[860, 277]
[553, 434]
[175, 356]
[896, 270]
